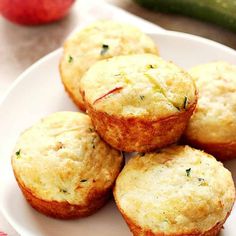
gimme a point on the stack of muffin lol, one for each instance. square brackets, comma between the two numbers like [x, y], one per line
[68, 163]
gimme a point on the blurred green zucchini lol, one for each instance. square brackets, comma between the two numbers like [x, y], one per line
[221, 12]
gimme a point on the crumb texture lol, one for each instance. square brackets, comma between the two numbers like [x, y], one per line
[180, 190]
[61, 158]
[141, 85]
[100, 40]
[215, 118]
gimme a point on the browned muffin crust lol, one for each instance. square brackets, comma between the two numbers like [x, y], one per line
[137, 230]
[222, 151]
[140, 134]
[64, 210]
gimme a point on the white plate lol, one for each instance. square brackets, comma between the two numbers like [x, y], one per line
[38, 92]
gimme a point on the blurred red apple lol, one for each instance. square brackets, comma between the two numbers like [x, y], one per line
[33, 12]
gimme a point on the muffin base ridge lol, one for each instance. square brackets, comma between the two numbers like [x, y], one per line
[65, 210]
[139, 134]
[137, 230]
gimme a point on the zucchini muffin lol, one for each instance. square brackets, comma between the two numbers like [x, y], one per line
[213, 125]
[102, 39]
[138, 102]
[178, 191]
[63, 168]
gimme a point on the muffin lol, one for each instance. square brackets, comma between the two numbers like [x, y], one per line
[213, 125]
[138, 102]
[63, 168]
[179, 191]
[102, 39]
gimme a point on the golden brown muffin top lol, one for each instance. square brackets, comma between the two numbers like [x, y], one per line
[141, 85]
[215, 118]
[62, 158]
[177, 191]
[100, 40]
